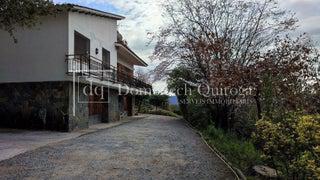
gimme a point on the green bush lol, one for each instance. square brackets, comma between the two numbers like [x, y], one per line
[163, 112]
[241, 153]
[145, 109]
[292, 145]
[175, 109]
[159, 101]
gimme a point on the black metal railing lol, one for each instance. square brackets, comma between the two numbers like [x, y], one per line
[86, 65]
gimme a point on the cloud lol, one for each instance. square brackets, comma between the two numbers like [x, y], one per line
[308, 13]
[303, 8]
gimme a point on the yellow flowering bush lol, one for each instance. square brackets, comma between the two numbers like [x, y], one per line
[291, 145]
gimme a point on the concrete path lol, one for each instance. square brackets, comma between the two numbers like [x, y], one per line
[156, 147]
[15, 141]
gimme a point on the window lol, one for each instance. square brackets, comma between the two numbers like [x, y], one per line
[106, 58]
[81, 44]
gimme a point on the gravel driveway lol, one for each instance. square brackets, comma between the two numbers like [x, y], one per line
[156, 147]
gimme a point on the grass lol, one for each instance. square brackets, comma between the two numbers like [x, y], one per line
[241, 153]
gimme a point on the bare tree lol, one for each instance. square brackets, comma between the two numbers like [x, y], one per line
[231, 43]
[237, 31]
[143, 76]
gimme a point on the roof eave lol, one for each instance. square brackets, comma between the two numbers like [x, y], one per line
[94, 12]
[128, 50]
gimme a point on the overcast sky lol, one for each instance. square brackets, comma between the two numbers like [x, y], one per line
[143, 16]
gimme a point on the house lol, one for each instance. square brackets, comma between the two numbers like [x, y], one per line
[72, 70]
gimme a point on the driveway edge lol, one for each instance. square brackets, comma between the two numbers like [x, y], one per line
[237, 172]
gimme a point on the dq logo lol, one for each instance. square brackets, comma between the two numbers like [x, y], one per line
[90, 93]
[90, 90]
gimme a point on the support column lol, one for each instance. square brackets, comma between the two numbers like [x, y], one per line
[113, 106]
[78, 108]
[134, 105]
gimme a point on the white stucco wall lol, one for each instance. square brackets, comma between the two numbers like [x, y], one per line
[102, 33]
[39, 54]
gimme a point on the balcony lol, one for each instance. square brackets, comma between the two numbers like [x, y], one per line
[86, 65]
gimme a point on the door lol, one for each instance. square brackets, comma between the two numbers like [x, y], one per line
[98, 108]
[129, 105]
[81, 51]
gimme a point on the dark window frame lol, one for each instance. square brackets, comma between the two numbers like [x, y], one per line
[106, 61]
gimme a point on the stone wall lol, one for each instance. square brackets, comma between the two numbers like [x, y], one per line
[51, 106]
[41, 105]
